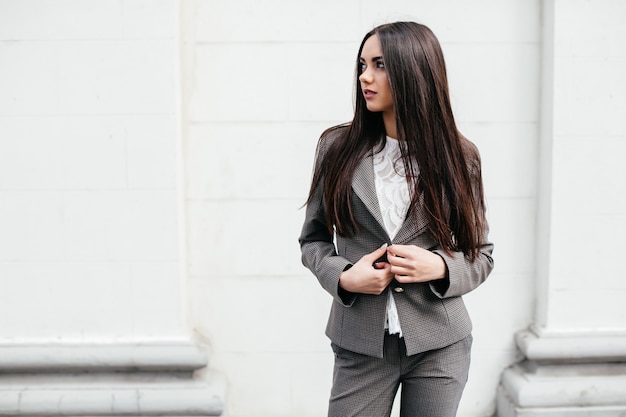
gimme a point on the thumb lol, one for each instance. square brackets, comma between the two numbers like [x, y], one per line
[377, 253]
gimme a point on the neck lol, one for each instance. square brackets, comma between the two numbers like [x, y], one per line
[389, 120]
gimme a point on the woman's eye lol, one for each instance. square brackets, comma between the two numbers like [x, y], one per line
[380, 64]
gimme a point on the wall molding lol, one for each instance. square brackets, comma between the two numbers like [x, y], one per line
[181, 355]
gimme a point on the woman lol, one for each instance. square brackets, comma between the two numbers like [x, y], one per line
[395, 231]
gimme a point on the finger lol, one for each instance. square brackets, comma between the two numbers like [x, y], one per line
[405, 251]
[396, 260]
[397, 250]
[403, 279]
[398, 270]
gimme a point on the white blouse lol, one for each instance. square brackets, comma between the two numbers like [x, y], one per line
[393, 195]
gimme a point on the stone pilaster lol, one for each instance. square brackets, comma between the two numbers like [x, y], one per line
[575, 352]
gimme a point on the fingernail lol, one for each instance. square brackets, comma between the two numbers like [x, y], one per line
[383, 246]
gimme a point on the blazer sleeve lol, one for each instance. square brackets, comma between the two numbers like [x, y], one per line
[463, 275]
[319, 254]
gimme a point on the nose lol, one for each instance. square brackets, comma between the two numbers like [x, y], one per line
[365, 76]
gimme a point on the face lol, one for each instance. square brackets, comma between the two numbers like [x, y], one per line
[373, 78]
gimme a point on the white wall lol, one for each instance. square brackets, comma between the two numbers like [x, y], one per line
[89, 247]
[262, 81]
[90, 192]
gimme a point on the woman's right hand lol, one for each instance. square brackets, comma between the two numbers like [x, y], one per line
[368, 276]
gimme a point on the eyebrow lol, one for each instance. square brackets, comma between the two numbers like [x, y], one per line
[376, 58]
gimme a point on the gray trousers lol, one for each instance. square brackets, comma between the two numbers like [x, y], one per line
[431, 382]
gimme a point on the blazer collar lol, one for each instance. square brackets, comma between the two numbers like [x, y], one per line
[364, 186]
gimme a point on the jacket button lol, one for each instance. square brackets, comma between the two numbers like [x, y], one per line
[398, 289]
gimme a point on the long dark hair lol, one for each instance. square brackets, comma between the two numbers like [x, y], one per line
[449, 184]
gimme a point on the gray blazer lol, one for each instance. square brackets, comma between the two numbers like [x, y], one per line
[430, 319]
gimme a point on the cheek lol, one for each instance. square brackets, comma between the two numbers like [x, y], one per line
[386, 87]
[388, 95]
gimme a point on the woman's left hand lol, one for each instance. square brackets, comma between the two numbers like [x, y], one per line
[411, 263]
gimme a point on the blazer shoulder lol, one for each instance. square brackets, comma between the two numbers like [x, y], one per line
[471, 153]
[326, 141]
[331, 135]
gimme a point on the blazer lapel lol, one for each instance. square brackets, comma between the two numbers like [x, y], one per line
[414, 223]
[365, 188]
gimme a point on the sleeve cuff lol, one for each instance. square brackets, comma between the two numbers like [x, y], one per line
[347, 298]
[441, 286]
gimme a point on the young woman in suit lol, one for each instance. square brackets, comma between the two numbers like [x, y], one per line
[395, 231]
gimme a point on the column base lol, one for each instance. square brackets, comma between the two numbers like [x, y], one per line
[146, 379]
[118, 394]
[581, 378]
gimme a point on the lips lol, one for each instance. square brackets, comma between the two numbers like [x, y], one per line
[367, 93]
